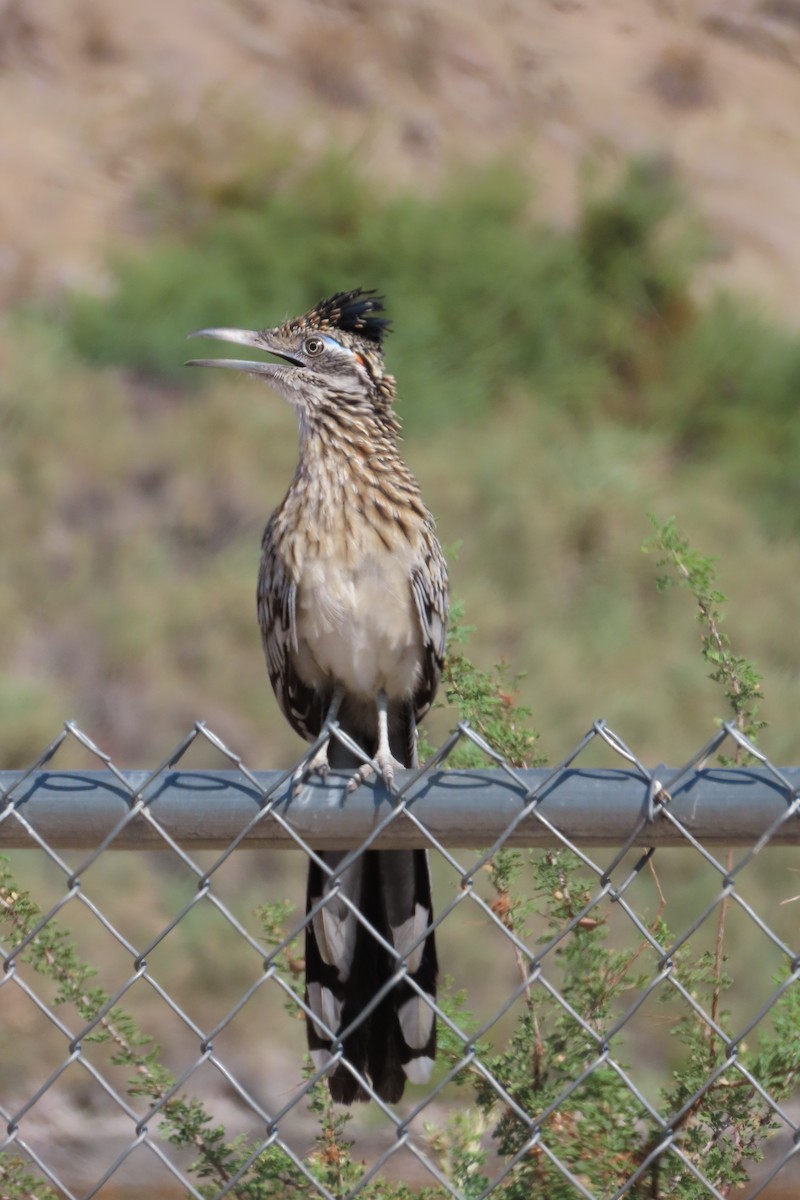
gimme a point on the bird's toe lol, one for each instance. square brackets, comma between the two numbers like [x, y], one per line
[317, 765]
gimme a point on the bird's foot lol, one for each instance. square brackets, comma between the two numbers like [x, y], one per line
[316, 765]
[383, 764]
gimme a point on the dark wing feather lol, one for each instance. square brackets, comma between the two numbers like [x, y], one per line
[304, 707]
[430, 591]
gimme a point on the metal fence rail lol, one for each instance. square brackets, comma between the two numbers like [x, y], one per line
[608, 822]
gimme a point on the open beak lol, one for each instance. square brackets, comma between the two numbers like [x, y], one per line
[243, 337]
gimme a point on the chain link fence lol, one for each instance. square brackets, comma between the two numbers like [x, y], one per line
[615, 1019]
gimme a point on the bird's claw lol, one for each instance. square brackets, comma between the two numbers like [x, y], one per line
[384, 765]
[317, 765]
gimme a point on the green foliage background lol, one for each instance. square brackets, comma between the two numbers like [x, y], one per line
[555, 386]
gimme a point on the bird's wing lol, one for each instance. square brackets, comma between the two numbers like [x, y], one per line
[303, 706]
[430, 590]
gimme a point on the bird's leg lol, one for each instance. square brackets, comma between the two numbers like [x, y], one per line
[318, 764]
[384, 761]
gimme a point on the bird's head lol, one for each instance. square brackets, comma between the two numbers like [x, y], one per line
[332, 354]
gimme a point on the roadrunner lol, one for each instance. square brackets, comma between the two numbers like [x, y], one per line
[352, 604]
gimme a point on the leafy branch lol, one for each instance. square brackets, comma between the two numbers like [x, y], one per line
[688, 568]
[487, 701]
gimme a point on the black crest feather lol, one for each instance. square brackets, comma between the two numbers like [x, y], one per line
[353, 312]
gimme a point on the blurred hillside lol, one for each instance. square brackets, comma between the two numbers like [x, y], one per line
[410, 88]
[564, 360]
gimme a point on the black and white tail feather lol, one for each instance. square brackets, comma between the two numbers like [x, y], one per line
[347, 967]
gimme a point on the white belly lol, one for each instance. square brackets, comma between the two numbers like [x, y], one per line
[357, 625]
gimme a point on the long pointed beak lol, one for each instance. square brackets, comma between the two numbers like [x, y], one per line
[242, 337]
[234, 364]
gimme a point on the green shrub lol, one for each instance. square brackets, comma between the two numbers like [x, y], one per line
[483, 298]
[599, 321]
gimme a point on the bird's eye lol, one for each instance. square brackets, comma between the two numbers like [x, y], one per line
[314, 346]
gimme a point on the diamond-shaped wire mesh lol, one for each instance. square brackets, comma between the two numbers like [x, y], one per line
[617, 1018]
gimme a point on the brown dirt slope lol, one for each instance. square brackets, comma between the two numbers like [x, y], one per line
[87, 87]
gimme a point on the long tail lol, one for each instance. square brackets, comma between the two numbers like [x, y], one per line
[346, 966]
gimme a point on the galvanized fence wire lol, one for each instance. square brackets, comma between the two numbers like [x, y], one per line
[612, 884]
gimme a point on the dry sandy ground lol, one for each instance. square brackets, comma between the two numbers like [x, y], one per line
[94, 93]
